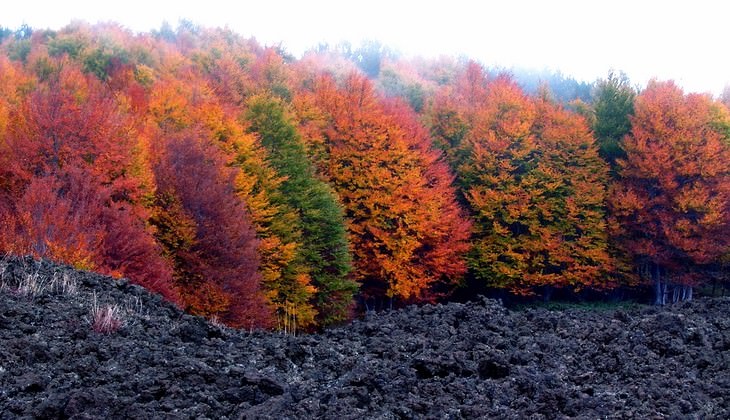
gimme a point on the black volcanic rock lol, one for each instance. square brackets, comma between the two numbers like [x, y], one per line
[475, 360]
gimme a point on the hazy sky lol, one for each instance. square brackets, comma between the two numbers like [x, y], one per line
[682, 40]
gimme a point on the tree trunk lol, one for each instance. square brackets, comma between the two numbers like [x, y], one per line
[547, 293]
[368, 307]
[658, 289]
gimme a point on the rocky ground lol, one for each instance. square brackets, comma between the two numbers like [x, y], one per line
[59, 359]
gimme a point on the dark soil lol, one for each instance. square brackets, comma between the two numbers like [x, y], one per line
[475, 360]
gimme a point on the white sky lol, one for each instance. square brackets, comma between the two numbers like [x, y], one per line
[682, 40]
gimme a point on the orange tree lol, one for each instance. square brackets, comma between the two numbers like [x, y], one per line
[531, 174]
[408, 234]
[670, 205]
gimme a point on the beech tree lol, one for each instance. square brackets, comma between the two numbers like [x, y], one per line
[206, 231]
[71, 189]
[670, 206]
[531, 174]
[408, 234]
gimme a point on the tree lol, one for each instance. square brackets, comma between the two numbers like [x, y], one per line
[564, 89]
[613, 107]
[369, 56]
[453, 111]
[206, 231]
[12, 81]
[531, 175]
[398, 197]
[258, 185]
[56, 220]
[323, 250]
[401, 79]
[187, 100]
[70, 187]
[725, 96]
[271, 74]
[670, 207]
[73, 120]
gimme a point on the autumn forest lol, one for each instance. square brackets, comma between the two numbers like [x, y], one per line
[266, 191]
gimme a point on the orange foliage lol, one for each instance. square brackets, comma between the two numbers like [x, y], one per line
[671, 205]
[70, 190]
[408, 233]
[532, 177]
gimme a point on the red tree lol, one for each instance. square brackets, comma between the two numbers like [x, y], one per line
[71, 185]
[670, 207]
[207, 232]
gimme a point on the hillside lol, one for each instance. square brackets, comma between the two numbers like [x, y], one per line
[445, 361]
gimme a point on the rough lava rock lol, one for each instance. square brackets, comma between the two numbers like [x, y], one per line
[474, 360]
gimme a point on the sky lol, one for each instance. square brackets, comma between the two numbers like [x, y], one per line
[686, 41]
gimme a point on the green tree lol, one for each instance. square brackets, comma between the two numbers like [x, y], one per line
[614, 104]
[323, 247]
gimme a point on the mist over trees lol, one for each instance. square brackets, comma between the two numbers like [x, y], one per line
[262, 190]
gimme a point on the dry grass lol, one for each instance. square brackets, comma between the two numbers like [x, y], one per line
[107, 318]
[3, 268]
[34, 284]
[64, 284]
[31, 285]
[103, 318]
[216, 322]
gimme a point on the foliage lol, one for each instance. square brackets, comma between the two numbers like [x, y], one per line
[408, 233]
[206, 231]
[69, 189]
[613, 107]
[397, 79]
[670, 207]
[564, 88]
[531, 175]
[323, 255]
[265, 191]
